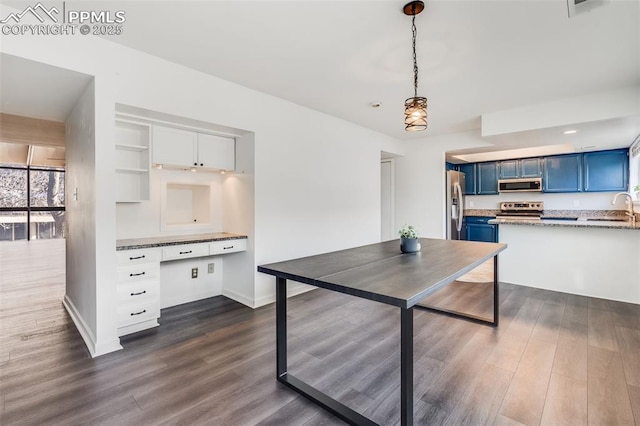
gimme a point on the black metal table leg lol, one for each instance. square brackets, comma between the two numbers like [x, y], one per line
[281, 327]
[406, 366]
[496, 295]
[469, 317]
[308, 391]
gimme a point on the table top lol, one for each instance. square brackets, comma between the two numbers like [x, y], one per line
[382, 273]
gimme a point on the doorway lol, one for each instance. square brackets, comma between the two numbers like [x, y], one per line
[387, 231]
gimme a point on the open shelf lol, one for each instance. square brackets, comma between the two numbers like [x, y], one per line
[130, 170]
[135, 148]
[132, 161]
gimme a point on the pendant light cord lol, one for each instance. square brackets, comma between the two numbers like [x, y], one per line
[414, 32]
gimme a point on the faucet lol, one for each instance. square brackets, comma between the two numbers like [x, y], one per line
[629, 212]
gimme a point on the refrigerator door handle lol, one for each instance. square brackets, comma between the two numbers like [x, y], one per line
[460, 206]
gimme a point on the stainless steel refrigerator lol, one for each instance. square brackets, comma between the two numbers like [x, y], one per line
[455, 205]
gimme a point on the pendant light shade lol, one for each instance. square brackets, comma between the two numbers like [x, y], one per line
[415, 108]
[415, 114]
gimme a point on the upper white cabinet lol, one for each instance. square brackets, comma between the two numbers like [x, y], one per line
[132, 161]
[216, 152]
[184, 148]
[174, 146]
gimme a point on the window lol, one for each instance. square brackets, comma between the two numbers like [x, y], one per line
[31, 203]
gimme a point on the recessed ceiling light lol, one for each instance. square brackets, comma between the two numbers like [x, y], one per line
[375, 104]
[570, 132]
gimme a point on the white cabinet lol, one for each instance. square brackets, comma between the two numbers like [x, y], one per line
[186, 149]
[216, 152]
[174, 146]
[132, 161]
[185, 251]
[227, 246]
[138, 288]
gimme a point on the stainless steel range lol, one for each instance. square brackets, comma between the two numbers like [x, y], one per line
[520, 210]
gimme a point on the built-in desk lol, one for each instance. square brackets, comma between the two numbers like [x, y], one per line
[138, 271]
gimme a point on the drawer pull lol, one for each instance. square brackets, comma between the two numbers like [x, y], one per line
[137, 257]
[138, 313]
[227, 248]
[139, 293]
[137, 275]
[186, 252]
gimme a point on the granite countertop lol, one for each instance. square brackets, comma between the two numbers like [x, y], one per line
[581, 222]
[172, 240]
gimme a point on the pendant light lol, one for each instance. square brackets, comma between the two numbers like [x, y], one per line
[415, 108]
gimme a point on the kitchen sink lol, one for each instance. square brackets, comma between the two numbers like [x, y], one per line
[559, 218]
[599, 219]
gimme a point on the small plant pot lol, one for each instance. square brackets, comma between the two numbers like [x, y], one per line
[409, 245]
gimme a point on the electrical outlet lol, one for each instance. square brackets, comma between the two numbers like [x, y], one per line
[212, 268]
[576, 203]
[471, 203]
[194, 272]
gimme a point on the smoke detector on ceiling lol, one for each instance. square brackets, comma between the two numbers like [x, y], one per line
[576, 7]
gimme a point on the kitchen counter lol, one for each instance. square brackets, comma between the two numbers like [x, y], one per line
[582, 222]
[588, 258]
[172, 240]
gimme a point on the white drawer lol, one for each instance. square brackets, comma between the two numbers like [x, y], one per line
[227, 246]
[139, 291]
[132, 313]
[143, 271]
[185, 251]
[132, 257]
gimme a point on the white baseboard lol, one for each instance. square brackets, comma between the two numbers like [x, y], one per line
[181, 300]
[95, 349]
[292, 290]
[237, 297]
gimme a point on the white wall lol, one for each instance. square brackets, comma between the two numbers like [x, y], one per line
[90, 268]
[317, 178]
[420, 181]
[238, 216]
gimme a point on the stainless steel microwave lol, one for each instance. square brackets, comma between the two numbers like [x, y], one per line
[520, 185]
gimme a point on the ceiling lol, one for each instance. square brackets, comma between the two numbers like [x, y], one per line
[474, 57]
[33, 89]
[37, 90]
[337, 57]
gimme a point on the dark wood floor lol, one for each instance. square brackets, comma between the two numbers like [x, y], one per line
[555, 359]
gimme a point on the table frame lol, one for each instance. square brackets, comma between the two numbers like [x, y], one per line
[406, 356]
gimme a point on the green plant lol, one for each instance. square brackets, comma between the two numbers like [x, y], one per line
[637, 188]
[408, 231]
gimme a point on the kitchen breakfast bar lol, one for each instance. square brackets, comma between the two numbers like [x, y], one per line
[379, 272]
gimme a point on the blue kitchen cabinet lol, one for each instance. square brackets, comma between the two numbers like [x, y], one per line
[531, 167]
[606, 170]
[477, 229]
[450, 166]
[524, 168]
[563, 173]
[487, 178]
[469, 171]
[510, 169]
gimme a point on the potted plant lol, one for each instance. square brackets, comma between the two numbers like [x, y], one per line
[409, 242]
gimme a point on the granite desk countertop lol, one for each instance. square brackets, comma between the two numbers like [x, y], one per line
[140, 243]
